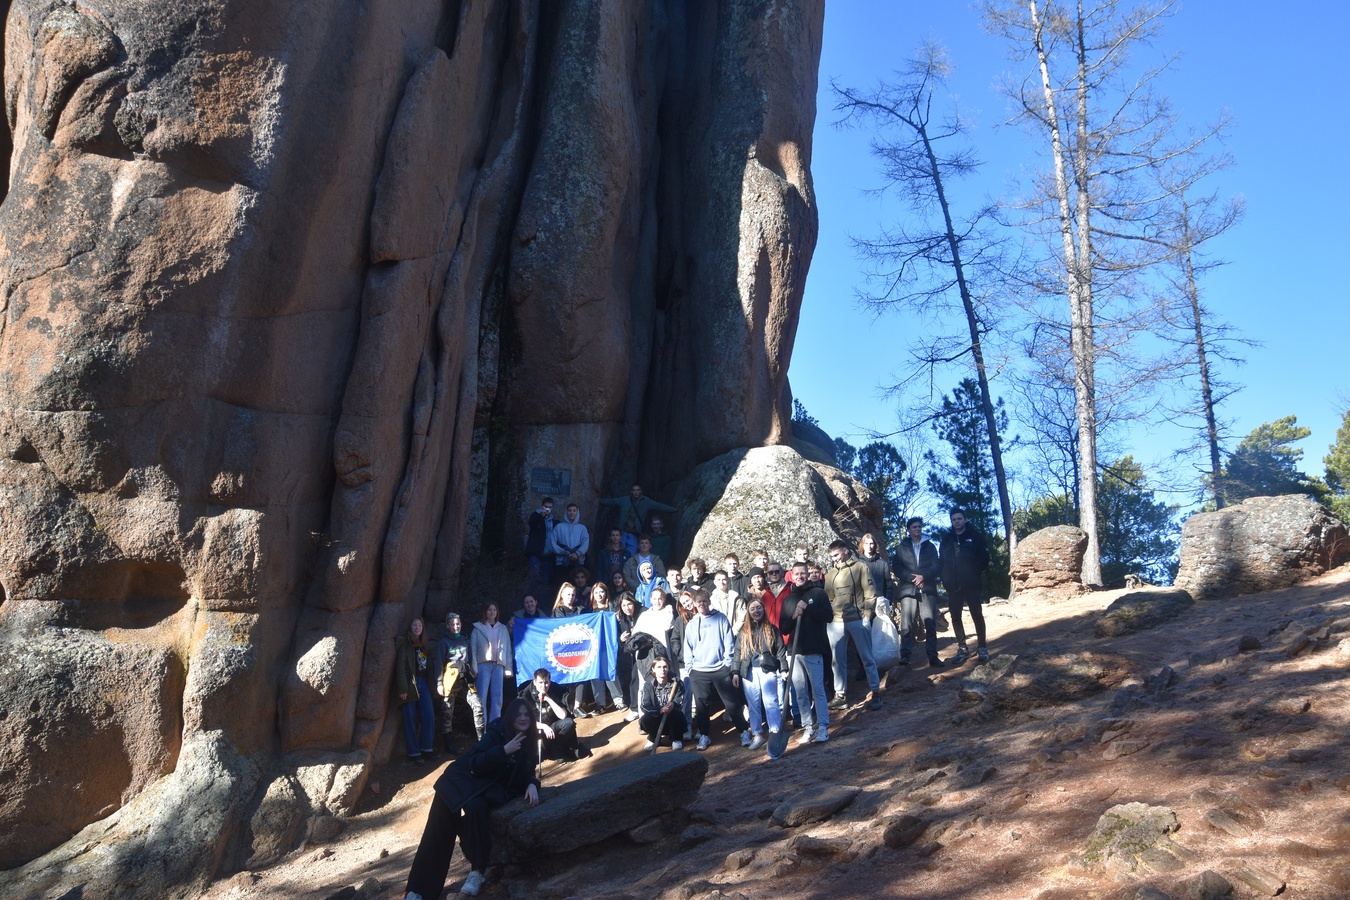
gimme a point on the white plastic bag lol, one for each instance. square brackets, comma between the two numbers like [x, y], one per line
[885, 639]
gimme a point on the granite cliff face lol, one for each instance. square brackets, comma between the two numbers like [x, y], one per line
[295, 298]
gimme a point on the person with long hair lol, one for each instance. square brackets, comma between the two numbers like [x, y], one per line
[412, 668]
[493, 659]
[566, 604]
[662, 698]
[601, 689]
[760, 657]
[627, 623]
[500, 766]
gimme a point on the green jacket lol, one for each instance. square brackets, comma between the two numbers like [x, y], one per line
[851, 592]
[406, 669]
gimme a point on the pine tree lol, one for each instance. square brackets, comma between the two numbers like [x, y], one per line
[1265, 464]
[1337, 462]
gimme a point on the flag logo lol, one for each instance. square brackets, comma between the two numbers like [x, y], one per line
[572, 647]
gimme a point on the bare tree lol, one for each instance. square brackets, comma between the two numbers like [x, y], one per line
[924, 262]
[1106, 131]
[1193, 220]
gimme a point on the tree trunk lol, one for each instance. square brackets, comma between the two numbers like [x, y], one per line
[1078, 284]
[1206, 391]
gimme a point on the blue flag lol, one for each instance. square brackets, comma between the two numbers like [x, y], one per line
[573, 649]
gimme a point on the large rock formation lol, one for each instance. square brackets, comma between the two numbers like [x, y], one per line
[771, 497]
[1262, 544]
[296, 300]
[1050, 560]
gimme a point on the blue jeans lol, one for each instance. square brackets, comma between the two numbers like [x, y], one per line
[808, 678]
[761, 695]
[419, 712]
[489, 682]
[862, 639]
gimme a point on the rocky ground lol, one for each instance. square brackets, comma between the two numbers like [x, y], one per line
[1215, 739]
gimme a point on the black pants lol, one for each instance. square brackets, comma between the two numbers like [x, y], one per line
[563, 744]
[972, 599]
[627, 679]
[705, 685]
[432, 862]
[675, 725]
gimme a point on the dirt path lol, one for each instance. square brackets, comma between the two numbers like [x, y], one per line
[1254, 740]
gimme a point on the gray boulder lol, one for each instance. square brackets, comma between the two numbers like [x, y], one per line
[1126, 832]
[1141, 610]
[598, 807]
[1262, 544]
[772, 497]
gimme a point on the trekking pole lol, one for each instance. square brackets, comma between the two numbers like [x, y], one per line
[539, 731]
[661, 729]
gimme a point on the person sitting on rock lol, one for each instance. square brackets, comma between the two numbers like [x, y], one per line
[557, 728]
[760, 657]
[632, 569]
[663, 698]
[710, 659]
[634, 511]
[726, 601]
[499, 767]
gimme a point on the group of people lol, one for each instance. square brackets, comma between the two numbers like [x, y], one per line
[758, 644]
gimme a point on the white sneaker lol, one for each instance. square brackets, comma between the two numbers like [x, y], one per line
[632, 716]
[756, 742]
[677, 745]
[704, 742]
[822, 735]
[688, 735]
[412, 895]
[745, 738]
[473, 883]
[650, 745]
[808, 735]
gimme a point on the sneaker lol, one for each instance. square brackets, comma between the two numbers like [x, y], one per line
[620, 706]
[632, 716]
[822, 735]
[704, 742]
[959, 657]
[983, 653]
[580, 713]
[677, 745]
[649, 746]
[935, 663]
[745, 738]
[839, 702]
[756, 742]
[688, 735]
[873, 701]
[473, 883]
[412, 895]
[904, 661]
[808, 735]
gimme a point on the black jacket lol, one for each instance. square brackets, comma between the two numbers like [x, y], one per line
[747, 658]
[927, 565]
[487, 770]
[651, 702]
[965, 556]
[814, 639]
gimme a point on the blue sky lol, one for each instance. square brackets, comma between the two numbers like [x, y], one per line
[1274, 70]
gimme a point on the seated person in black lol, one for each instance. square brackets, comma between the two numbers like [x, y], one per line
[558, 729]
[663, 696]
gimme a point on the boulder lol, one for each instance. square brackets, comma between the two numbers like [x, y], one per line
[1050, 678]
[1141, 610]
[594, 809]
[1261, 544]
[816, 808]
[1050, 559]
[772, 497]
[1126, 832]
